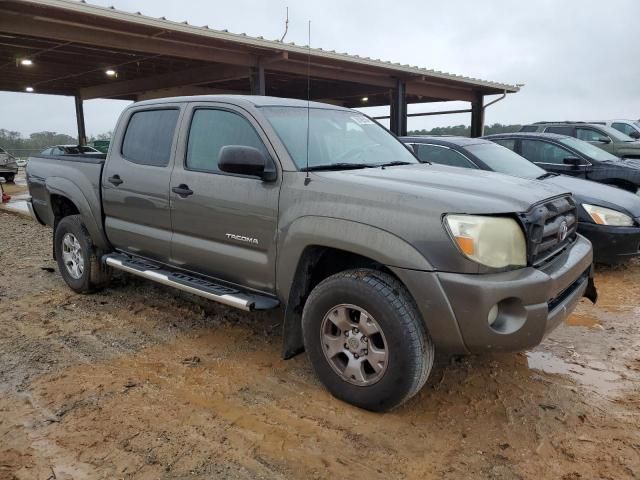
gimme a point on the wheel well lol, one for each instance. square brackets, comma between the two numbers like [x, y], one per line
[316, 263]
[61, 207]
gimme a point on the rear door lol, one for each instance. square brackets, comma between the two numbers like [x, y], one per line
[551, 157]
[135, 181]
[227, 227]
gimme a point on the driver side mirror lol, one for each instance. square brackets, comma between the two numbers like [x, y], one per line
[604, 140]
[574, 161]
[244, 160]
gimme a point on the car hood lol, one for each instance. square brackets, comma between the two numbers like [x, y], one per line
[595, 193]
[452, 189]
[627, 163]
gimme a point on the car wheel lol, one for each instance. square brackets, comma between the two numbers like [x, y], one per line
[77, 259]
[10, 178]
[366, 340]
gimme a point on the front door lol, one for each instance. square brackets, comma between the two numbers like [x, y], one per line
[224, 225]
[596, 137]
[135, 182]
[551, 157]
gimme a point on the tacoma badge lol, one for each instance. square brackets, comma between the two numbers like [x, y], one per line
[242, 238]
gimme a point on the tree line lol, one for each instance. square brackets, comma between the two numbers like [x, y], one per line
[20, 146]
[465, 130]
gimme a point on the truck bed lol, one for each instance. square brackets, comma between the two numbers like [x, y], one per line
[75, 177]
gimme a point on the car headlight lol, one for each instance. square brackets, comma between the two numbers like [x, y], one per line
[607, 216]
[496, 242]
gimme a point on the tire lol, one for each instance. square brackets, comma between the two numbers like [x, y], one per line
[73, 247]
[395, 328]
[10, 178]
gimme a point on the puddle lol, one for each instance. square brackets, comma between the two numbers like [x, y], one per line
[581, 320]
[598, 378]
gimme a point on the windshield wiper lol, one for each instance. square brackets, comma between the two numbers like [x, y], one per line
[337, 166]
[392, 164]
[547, 175]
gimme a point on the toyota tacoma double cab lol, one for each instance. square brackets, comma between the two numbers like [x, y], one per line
[375, 260]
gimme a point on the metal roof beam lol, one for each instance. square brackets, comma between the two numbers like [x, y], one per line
[181, 78]
[78, 33]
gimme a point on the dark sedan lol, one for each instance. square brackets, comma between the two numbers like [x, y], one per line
[607, 216]
[570, 156]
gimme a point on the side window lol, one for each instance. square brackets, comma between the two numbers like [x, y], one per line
[510, 143]
[623, 127]
[543, 152]
[562, 130]
[149, 137]
[443, 156]
[213, 129]
[589, 134]
[529, 128]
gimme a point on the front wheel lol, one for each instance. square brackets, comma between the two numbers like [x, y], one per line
[366, 340]
[10, 178]
[77, 258]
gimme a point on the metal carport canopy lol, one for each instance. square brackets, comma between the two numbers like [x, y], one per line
[72, 45]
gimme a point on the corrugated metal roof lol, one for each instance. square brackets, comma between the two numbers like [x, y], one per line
[262, 43]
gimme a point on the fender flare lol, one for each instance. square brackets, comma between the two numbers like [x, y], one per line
[66, 188]
[313, 231]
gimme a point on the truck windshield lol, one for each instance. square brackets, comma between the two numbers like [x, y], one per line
[588, 150]
[338, 139]
[502, 160]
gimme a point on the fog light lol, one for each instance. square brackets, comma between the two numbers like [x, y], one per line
[493, 315]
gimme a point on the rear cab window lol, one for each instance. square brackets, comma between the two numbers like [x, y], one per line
[149, 137]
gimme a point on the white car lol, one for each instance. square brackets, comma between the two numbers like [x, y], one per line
[628, 127]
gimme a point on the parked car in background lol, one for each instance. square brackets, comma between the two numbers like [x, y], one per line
[628, 127]
[607, 216]
[375, 260]
[71, 150]
[570, 156]
[8, 165]
[602, 136]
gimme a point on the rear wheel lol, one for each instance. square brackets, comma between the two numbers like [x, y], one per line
[366, 340]
[77, 258]
[10, 178]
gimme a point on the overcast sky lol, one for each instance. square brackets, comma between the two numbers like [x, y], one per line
[578, 58]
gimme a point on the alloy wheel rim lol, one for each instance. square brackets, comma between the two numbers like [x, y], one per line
[72, 256]
[354, 345]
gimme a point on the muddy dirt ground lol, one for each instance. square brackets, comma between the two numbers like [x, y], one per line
[142, 382]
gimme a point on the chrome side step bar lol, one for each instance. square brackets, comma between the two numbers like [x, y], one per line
[217, 292]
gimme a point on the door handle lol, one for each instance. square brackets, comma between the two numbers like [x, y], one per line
[182, 190]
[115, 180]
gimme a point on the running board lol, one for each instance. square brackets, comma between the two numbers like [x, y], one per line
[202, 287]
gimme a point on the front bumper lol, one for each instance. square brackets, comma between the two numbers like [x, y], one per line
[530, 302]
[612, 245]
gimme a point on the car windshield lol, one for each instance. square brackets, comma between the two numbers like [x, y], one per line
[588, 150]
[502, 160]
[338, 139]
[616, 134]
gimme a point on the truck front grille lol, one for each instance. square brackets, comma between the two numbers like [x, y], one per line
[551, 227]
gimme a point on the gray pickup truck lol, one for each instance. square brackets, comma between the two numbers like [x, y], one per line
[376, 260]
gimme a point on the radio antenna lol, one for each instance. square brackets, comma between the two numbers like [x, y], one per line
[286, 26]
[307, 179]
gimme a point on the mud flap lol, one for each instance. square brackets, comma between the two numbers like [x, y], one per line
[591, 292]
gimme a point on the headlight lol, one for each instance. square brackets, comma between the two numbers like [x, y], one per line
[496, 242]
[607, 216]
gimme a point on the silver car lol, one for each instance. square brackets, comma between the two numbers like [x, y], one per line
[8, 165]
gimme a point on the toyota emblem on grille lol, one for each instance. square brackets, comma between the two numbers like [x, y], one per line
[563, 231]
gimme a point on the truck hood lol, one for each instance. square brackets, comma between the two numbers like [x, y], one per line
[595, 193]
[454, 189]
[626, 163]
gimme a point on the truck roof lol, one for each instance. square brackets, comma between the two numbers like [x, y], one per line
[252, 100]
